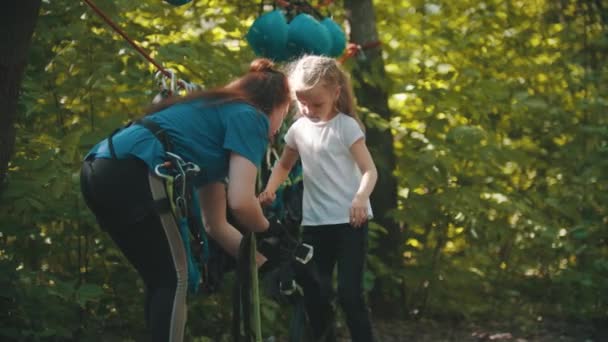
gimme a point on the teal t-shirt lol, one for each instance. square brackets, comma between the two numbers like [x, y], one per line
[200, 133]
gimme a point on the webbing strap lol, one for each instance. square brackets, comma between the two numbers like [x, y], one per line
[246, 317]
[241, 299]
[152, 126]
[179, 191]
[158, 132]
[163, 205]
[179, 256]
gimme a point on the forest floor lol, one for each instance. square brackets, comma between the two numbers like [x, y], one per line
[436, 331]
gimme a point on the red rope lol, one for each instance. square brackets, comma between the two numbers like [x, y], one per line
[353, 49]
[283, 3]
[300, 7]
[129, 40]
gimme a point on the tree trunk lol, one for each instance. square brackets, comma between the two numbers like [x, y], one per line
[373, 95]
[17, 23]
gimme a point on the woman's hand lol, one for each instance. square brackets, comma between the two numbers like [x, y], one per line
[267, 197]
[358, 211]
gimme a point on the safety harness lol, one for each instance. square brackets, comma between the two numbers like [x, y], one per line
[179, 199]
[288, 264]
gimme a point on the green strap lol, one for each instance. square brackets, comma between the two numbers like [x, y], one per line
[255, 289]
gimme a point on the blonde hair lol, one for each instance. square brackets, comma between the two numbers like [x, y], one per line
[307, 71]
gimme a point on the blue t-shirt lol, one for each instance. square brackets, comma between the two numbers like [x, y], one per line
[200, 133]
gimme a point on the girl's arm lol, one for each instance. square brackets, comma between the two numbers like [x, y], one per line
[279, 174]
[241, 194]
[369, 176]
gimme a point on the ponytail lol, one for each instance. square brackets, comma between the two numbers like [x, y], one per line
[263, 87]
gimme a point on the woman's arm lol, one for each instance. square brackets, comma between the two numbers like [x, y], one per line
[369, 176]
[279, 174]
[213, 207]
[242, 199]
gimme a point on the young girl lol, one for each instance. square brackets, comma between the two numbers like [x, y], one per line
[339, 176]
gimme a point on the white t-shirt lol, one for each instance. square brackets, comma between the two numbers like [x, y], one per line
[330, 174]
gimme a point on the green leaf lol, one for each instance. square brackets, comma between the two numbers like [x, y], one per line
[87, 293]
[536, 103]
[465, 135]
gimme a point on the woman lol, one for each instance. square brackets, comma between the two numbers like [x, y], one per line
[224, 131]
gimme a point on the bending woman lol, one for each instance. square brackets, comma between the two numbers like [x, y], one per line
[225, 131]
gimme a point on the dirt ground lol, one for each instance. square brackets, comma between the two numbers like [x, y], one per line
[434, 331]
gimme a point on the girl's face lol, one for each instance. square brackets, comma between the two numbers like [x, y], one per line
[319, 102]
[276, 119]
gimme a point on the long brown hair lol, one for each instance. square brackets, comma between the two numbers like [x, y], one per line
[307, 71]
[263, 86]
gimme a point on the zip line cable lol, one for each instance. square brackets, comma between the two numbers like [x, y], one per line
[131, 42]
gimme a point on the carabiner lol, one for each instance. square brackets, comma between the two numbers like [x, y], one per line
[182, 205]
[161, 174]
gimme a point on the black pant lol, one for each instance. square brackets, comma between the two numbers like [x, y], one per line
[118, 193]
[345, 246]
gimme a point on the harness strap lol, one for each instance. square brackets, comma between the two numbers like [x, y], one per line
[158, 132]
[110, 138]
[179, 201]
[179, 256]
[162, 205]
[241, 299]
[152, 126]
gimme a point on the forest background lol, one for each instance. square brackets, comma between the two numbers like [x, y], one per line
[487, 120]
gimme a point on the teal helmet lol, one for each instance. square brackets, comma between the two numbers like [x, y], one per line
[337, 37]
[307, 36]
[267, 36]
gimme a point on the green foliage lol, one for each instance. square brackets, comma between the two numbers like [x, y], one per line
[64, 278]
[500, 141]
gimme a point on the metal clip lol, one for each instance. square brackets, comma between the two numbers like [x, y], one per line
[182, 205]
[158, 172]
[289, 287]
[303, 253]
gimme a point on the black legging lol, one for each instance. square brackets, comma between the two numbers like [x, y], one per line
[345, 246]
[118, 193]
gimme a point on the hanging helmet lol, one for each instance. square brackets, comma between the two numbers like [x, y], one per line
[267, 36]
[337, 37]
[307, 35]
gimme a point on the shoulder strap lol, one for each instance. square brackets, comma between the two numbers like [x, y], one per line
[152, 126]
[159, 132]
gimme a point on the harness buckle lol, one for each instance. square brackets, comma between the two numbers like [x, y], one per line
[288, 287]
[303, 253]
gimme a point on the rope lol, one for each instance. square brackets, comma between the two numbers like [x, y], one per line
[131, 42]
[353, 49]
[300, 6]
[256, 319]
[246, 319]
[286, 3]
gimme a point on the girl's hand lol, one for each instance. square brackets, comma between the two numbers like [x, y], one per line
[358, 211]
[266, 197]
